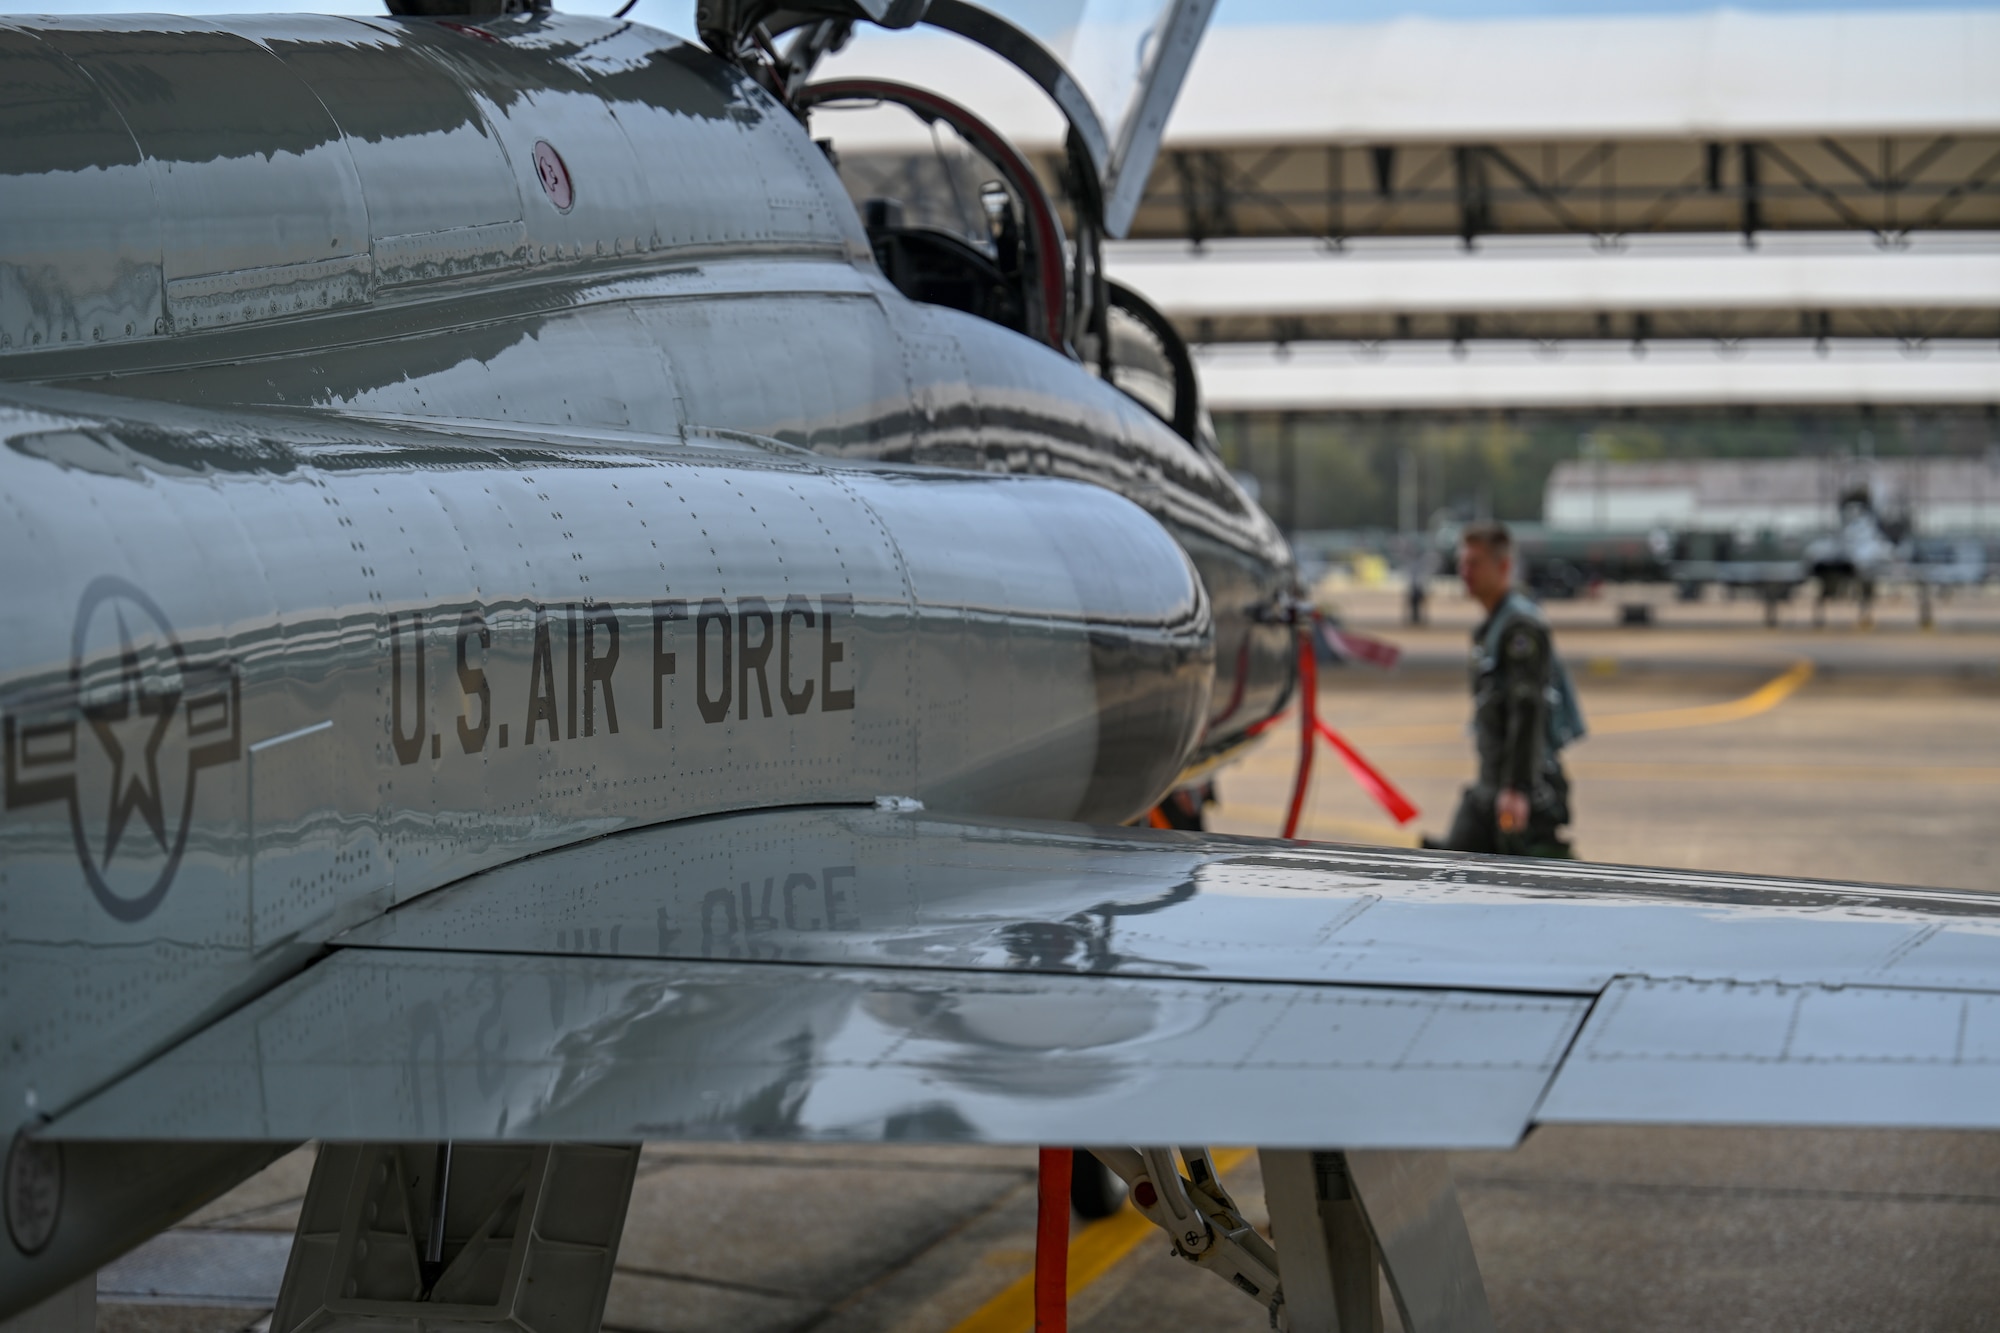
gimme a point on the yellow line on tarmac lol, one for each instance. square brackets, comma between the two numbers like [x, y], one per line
[1612, 770]
[1093, 1252]
[1761, 700]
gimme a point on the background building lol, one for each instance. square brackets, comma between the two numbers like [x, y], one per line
[1430, 259]
[1936, 497]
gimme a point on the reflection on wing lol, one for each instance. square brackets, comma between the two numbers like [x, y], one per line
[844, 973]
[878, 888]
[393, 1045]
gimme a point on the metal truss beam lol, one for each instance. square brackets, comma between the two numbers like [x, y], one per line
[1885, 186]
[1914, 327]
[1606, 189]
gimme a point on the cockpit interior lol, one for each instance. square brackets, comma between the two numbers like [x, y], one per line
[983, 230]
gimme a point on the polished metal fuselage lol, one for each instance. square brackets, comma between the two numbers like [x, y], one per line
[428, 445]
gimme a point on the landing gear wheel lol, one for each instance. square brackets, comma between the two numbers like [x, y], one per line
[1094, 1191]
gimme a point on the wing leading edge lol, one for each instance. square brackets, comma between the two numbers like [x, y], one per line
[841, 974]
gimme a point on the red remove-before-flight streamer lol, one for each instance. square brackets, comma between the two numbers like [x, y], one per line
[1052, 1240]
[1312, 727]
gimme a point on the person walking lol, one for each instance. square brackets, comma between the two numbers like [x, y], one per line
[1422, 563]
[1524, 711]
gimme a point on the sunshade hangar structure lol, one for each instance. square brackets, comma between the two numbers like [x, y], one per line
[1588, 213]
[531, 630]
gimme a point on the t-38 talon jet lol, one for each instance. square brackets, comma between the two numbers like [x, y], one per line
[521, 635]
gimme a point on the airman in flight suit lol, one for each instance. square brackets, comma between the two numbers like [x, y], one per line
[1523, 712]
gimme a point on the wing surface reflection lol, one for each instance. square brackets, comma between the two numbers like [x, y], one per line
[844, 886]
[845, 973]
[392, 1045]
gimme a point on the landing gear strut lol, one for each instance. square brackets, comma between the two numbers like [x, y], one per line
[501, 1237]
[1341, 1221]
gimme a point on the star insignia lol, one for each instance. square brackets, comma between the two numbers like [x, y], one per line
[130, 728]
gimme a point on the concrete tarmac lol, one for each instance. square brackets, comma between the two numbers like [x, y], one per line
[1883, 766]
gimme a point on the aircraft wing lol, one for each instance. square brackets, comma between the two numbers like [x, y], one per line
[845, 973]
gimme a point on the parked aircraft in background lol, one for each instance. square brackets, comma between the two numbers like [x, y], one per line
[1557, 563]
[1864, 553]
[522, 636]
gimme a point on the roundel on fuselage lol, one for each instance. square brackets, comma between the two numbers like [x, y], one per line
[554, 175]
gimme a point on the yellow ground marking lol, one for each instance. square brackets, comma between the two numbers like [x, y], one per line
[1761, 700]
[1093, 1252]
[1934, 775]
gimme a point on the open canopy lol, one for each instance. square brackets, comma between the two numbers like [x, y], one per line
[1111, 67]
[1130, 58]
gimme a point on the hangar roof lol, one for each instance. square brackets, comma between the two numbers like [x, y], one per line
[1724, 74]
[1521, 273]
[1434, 377]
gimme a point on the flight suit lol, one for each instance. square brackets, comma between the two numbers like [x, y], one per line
[1513, 663]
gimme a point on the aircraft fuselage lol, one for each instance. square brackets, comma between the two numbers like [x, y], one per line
[432, 444]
